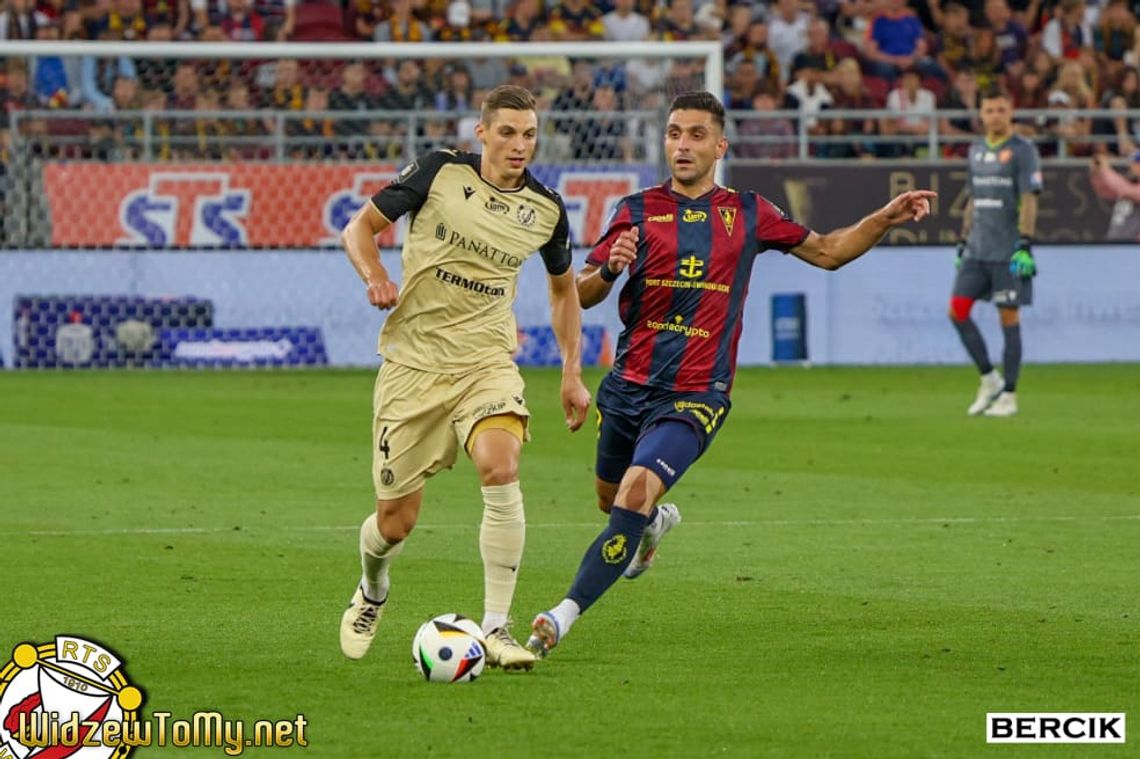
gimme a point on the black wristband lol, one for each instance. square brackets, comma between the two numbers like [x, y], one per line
[607, 275]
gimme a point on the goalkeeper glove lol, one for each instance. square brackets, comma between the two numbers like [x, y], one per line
[1022, 263]
[961, 251]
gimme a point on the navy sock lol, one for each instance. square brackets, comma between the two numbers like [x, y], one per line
[975, 344]
[651, 516]
[608, 557]
[1011, 356]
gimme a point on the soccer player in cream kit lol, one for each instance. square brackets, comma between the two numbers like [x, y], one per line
[448, 380]
[995, 260]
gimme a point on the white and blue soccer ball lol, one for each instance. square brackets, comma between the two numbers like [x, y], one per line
[449, 649]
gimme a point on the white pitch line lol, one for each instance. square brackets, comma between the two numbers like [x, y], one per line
[582, 525]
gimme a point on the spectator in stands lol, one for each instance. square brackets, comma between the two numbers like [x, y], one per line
[408, 92]
[125, 19]
[156, 73]
[350, 96]
[678, 23]
[155, 102]
[16, 96]
[287, 91]
[808, 95]
[401, 25]
[456, 94]
[624, 23]
[985, 58]
[605, 135]
[1028, 91]
[855, 17]
[311, 137]
[1124, 191]
[520, 24]
[915, 106]
[743, 83]
[572, 20]
[1124, 124]
[818, 52]
[1068, 31]
[18, 21]
[97, 76]
[740, 16]
[1073, 80]
[209, 127]
[755, 48]
[962, 96]
[55, 79]
[771, 137]
[952, 42]
[1114, 36]
[458, 27]
[1009, 34]
[787, 32]
[895, 41]
[246, 129]
[849, 95]
[242, 23]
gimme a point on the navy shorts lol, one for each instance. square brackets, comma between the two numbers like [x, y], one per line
[626, 411]
[993, 281]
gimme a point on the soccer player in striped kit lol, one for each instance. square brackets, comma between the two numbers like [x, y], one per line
[688, 247]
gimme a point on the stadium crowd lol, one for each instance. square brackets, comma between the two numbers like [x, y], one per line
[801, 58]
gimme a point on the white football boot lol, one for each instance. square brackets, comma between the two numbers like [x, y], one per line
[1005, 405]
[988, 391]
[544, 635]
[358, 625]
[506, 652]
[670, 517]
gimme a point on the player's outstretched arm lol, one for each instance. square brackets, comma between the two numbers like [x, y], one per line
[834, 249]
[566, 318]
[359, 241]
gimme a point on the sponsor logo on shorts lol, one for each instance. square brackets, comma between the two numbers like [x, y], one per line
[667, 469]
[489, 409]
[387, 477]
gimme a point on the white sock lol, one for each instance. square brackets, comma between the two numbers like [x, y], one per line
[501, 538]
[376, 555]
[492, 621]
[567, 613]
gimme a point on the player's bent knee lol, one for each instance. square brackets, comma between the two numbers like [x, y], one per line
[960, 308]
[640, 489]
[398, 518]
[606, 492]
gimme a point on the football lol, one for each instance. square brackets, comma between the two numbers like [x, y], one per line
[449, 649]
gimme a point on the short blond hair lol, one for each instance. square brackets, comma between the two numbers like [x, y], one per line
[506, 96]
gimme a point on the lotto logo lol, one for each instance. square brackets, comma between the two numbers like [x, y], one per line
[1055, 727]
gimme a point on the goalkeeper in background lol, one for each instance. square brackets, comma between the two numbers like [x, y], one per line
[995, 261]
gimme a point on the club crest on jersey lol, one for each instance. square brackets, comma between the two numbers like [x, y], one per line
[692, 216]
[75, 684]
[728, 216]
[526, 215]
[1005, 155]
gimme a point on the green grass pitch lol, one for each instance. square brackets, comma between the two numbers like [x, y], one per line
[863, 571]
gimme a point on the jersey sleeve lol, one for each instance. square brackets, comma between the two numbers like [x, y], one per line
[1028, 169]
[620, 220]
[774, 229]
[409, 190]
[556, 252]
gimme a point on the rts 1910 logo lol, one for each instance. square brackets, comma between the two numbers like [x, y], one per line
[67, 698]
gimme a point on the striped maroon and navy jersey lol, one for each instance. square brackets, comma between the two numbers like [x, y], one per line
[683, 305]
